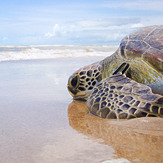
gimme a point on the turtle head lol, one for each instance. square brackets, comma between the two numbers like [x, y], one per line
[81, 82]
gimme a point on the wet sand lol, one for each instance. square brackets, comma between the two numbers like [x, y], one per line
[39, 122]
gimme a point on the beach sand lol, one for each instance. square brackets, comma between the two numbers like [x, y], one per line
[40, 123]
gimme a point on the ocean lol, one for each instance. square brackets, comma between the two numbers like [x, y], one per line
[8, 53]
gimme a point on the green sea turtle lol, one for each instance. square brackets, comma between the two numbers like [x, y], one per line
[138, 93]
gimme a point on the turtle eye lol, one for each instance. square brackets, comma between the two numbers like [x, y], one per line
[74, 81]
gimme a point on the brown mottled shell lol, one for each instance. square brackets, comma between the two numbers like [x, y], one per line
[147, 44]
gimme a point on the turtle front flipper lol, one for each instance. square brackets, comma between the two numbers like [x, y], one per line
[119, 97]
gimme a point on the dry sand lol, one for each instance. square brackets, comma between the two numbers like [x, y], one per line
[39, 122]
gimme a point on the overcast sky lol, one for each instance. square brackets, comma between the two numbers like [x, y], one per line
[74, 22]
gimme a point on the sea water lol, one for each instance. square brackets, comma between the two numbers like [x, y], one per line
[8, 53]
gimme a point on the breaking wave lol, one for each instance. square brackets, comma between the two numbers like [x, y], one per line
[8, 53]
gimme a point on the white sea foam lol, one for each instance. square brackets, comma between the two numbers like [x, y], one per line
[8, 53]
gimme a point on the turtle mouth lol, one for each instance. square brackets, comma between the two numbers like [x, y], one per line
[72, 91]
[84, 98]
[76, 94]
[81, 97]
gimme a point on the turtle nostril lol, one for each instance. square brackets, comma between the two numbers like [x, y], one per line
[74, 81]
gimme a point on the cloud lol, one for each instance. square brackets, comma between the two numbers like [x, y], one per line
[56, 31]
[151, 5]
[96, 31]
[4, 38]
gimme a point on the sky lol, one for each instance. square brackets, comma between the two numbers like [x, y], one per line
[74, 22]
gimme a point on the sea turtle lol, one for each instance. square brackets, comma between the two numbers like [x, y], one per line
[113, 95]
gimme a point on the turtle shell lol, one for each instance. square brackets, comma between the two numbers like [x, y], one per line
[146, 44]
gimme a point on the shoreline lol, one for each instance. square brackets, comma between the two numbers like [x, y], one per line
[57, 58]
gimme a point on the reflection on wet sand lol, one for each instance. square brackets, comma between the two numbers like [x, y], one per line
[137, 140]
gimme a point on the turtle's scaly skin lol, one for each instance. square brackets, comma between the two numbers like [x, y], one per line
[81, 83]
[119, 97]
[142, 50]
